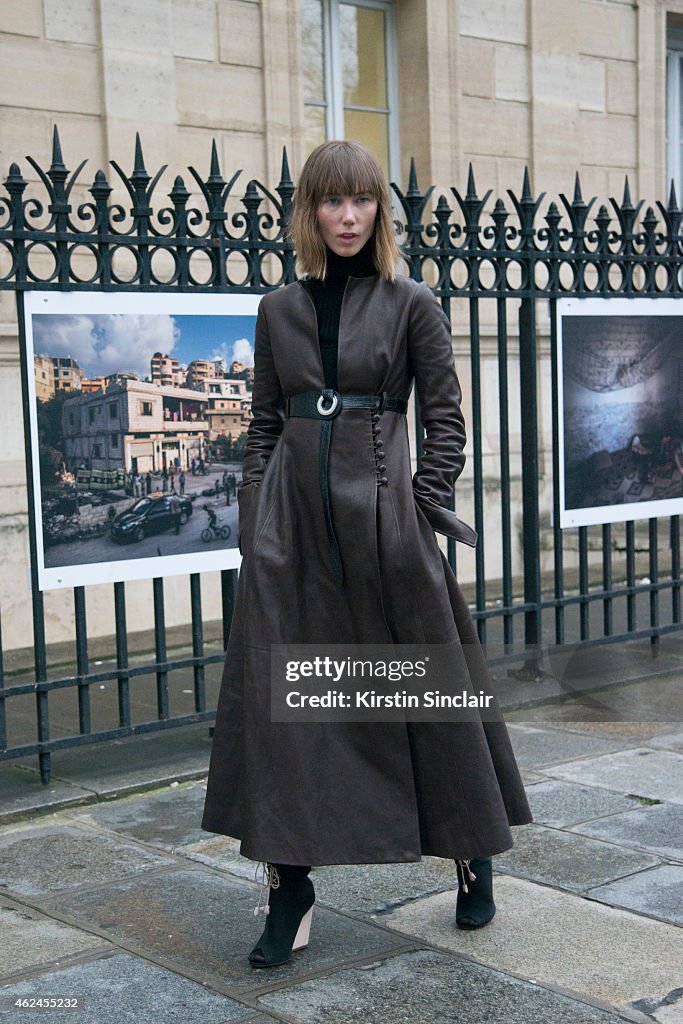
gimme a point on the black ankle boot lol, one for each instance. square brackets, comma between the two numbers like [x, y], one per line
[290, 905]
[474, 907]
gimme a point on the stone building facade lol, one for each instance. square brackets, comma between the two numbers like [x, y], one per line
[555, 85]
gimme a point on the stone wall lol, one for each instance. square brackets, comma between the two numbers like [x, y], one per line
[557, 85]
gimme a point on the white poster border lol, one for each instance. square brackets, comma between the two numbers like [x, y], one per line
[215, 558]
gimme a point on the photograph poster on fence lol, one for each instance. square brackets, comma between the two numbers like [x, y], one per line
[138, 406]
[620, 410]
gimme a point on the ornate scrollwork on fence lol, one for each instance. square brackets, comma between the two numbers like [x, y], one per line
[225, 242]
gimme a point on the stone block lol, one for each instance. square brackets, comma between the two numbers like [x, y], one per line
[592, 85]
[505, 20]
[193, 29]
[426, 985]
[22, 792]
[477, 67]
[539, 748]
[166, 818]
[31, 134]
[562, 803]
[29, 940]
[146, 761]
[240, 39]
[139, 86]
[657, 774]
[567, 861]
[204, 924]
[21, 17]
[129, 25]
[496, 128]
[657, 829]
[608, 30]
[376, 888]
[554, 28]
[125, 989]
[204, 94]
[72, 21]
[558, 939]
[555, 78]
[622, 88]
[512, 73]
[656, 893]
[69, 79]
[41, 860]
[245, 150]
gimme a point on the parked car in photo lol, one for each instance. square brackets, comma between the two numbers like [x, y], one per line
[149, 515]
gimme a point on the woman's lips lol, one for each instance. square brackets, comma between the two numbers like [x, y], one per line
[348, 237]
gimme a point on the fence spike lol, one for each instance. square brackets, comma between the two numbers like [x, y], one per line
[526, 187]
[626, 203]
[578, 197]
[214, 167]
[285, 175]
[471, 187]
[413, 188]
[673, 202]
[139, 169]
[57, 160]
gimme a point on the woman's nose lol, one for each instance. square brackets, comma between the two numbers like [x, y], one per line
[348, 213]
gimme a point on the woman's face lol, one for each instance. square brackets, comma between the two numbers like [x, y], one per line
[346, 222]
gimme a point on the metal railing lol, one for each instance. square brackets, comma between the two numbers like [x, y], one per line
[501, 259]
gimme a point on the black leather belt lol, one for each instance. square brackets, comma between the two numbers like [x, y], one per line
[325, 405]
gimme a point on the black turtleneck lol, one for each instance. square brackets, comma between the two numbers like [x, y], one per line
[327, 296]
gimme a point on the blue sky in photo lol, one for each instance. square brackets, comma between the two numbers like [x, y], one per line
[109, 343]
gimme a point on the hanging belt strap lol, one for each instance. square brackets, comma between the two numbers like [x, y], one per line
[325, 405]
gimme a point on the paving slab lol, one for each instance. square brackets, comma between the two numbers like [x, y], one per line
[354, 888]
[147, 761]
[539, 748]
[657, 774]
[560, 939]
[669, 741]
[223, 853]
[121, 989]
[658, 829]
[42, 860]
[30, 939]
[166, 818]
[376, 888]
[427, 987]
[666, 1011]
[204, 924]
[567, 860]
[658, 893]
[23, 794]
[558, 803]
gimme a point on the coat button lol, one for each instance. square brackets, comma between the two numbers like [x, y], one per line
[380, 454]
[382, 468]
[383, 480]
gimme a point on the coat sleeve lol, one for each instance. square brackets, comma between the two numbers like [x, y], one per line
[430, 352]
[267, 420]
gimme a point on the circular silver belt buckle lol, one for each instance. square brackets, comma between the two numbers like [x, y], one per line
[334, 408]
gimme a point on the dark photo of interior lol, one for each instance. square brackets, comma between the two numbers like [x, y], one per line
[623, 409]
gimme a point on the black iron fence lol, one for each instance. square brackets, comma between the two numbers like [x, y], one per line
[509, 263]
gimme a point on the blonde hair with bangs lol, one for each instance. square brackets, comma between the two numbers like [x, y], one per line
[340, 167]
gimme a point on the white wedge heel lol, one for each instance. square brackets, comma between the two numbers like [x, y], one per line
[304, 931]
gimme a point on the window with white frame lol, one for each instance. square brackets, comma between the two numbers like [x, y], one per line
[674, 109]
[350, 75]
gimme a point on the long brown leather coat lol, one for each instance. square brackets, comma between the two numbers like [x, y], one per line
[323, 792]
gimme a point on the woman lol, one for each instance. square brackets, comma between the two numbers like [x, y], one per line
[339, 547]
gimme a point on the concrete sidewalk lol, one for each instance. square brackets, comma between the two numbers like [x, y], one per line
[123, 902]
